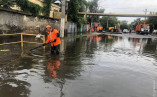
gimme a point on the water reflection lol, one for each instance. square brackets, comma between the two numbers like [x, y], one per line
[147, 46]
[14, 88]
[94, 38]
[91, 66]
[53, 67]
[10, 85]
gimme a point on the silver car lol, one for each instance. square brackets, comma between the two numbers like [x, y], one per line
[125, 31]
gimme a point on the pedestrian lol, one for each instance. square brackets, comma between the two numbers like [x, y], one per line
[101, 29]
[89, 29]
[98, 29]
[130, 31]
[53, 38]
[92, 29]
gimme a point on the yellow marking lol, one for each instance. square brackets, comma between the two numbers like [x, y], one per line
[4, 50]
[10, 43]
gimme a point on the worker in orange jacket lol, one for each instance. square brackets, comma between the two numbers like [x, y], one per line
[89, 28]
[101, 28]
[92, 29]
[53, 38]
[98, 29]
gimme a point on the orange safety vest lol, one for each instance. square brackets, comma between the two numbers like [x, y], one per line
[98, 28]
[52, 36]
[89, 28]
[92, 30]
[101, 28]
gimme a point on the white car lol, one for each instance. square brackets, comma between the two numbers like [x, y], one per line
[154, 32]
[125, 31]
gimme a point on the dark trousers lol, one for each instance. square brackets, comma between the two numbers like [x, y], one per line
[55, 49]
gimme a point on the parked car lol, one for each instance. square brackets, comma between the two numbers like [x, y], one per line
[154, 32]
[125, 31]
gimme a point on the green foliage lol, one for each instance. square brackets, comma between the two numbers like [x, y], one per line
[101, 11]
[53, 1]
[136, 22]
[111, 21]
[7, 3]
[47, 7]
[29, 7]
[81, 21]
[73, 10]
[152, 21]
[124, 25]
[93, 8]
[82, 5]
[74, 7]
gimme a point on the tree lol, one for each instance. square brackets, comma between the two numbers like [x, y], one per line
[124, 25]
[73, 10]
[7, 3]
[111, 21]
[74, 7]
[83, 5]
[93, 8]
[101, 10]
[136, 22]
[47, 7]
[29, 7]
[152, 21]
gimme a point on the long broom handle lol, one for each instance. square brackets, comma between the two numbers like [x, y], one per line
[39, 46]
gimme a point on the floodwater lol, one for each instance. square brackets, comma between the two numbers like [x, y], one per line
[92, 66]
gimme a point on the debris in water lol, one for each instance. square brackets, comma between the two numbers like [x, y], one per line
[38, 36]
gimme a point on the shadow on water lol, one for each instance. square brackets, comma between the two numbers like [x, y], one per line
[92, 66]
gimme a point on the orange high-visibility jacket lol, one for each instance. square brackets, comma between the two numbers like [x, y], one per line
[52, 36]
[89, 28]
[98, 28]
[92, 29]
[101, 28]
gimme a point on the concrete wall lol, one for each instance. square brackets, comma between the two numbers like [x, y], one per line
[71, 28]
[15, 22]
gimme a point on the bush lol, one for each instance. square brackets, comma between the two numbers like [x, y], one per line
[29, 7]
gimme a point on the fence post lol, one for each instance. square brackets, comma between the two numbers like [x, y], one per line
[44, 41]
[21, 40]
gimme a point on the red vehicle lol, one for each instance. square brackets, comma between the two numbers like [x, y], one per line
[142, 29]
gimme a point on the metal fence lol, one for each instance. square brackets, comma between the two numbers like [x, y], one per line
[22, 40]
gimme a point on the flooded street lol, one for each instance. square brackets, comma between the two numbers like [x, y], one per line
[92, 66]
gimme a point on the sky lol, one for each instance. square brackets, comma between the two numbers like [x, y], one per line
[128, 7]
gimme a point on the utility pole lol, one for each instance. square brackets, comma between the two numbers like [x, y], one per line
[62, 25]
[145, 13]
